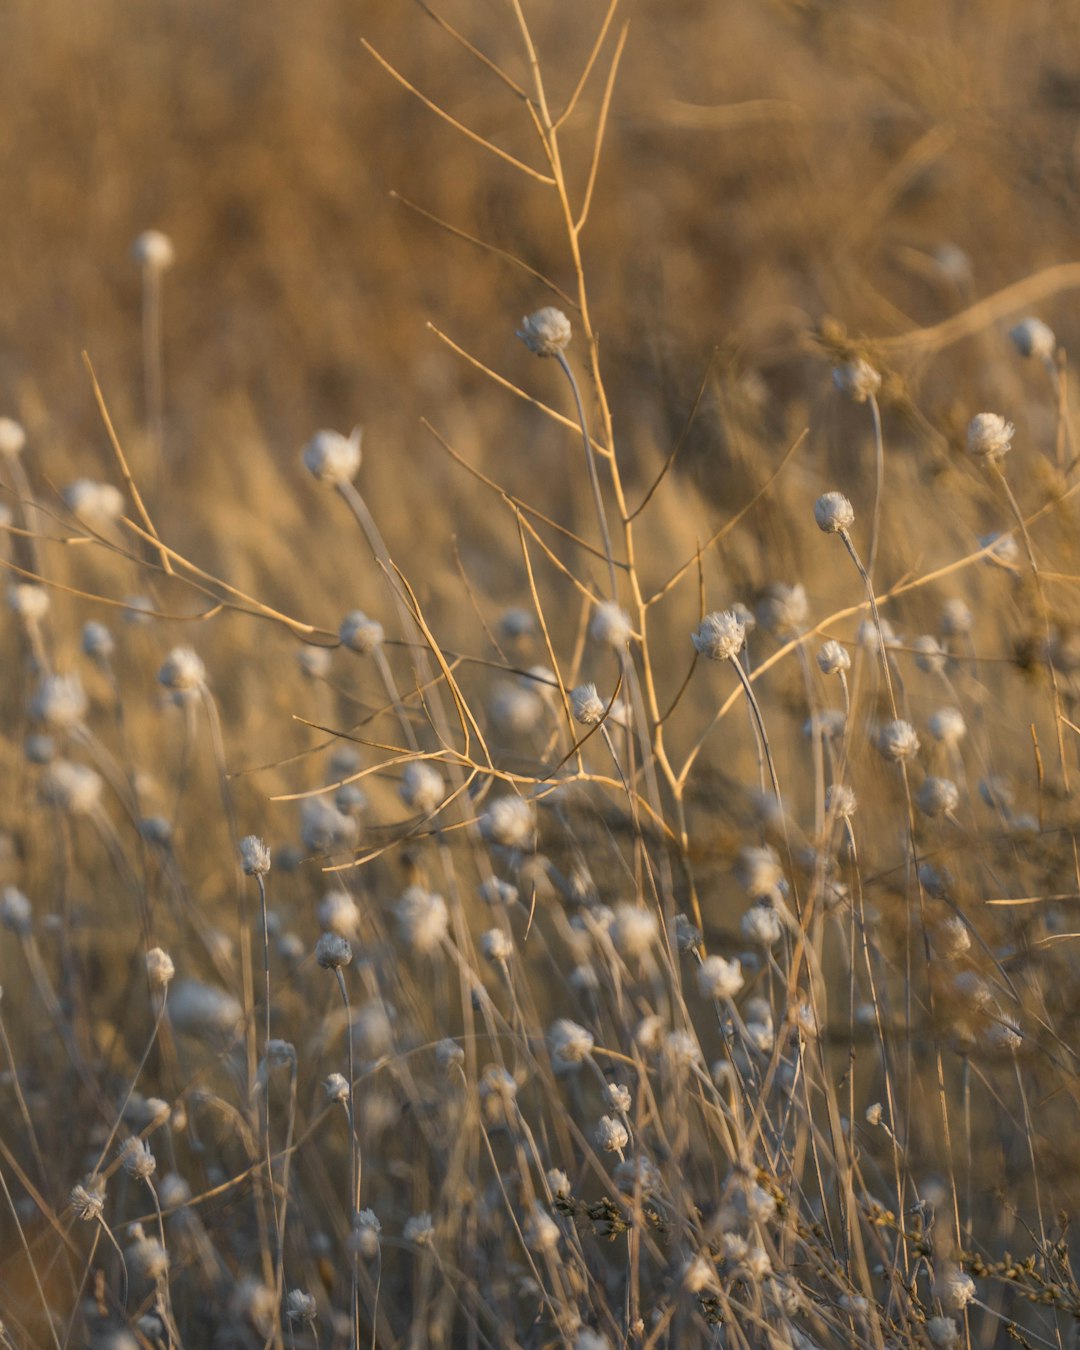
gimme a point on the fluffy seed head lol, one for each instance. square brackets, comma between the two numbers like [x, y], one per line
[314, 662]
[87, 1199]
[97, 641]
[325, 829]
[154, 250]
[333, 458]
[159, 968]
[929, 656]
[203, 1010]
[956, 619]
[364, 1238]
[858, 379]
[136, 1158]
[587, 704]
[509, 821]
[938, 797]
[832, 658]
[146, 1257]
[897, 741]
[542, 1233]
[336, 1087]
[496, 945]
[634, 931]
[989, 436]
[719, 978]
[183, 671]
[93, 503]
[74, 788]
[840, 800]
[300, 1307]
[761, 924]
[332, 951]
[612, 1135]
[719, 636]
[947, 725]
[60, 701]
[16, 912]
[783, 608]
[943, 1332]
[12, 436]
[570, 1044]
[359, 633]
[423, 920]
[1032, 337]
[419, 1229]
[610, 625]
[834, 513]
[421, 787]
[28, 601]
[254, 856]
[546, 332]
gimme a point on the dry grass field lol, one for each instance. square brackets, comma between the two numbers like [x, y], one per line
[537, 870]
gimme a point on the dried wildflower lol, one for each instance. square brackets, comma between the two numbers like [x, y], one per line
[332, 951]
[1004, 550]
[761, 924]
[494, 891]
[857, 379]
[16, 912]
[159, 968]
[610, 625]
[183, 672]
[422, 787]
[93, 504]
[938, 797]
[12, 437]
[558, 1183]
[957, 619]
[87, 1199]
[336, 1087]
[612, 1135]
[203, 1009]
[897, 741]
[947, 725]
[146, 1257]
[419, 1229]
[136, 1159]
[832, 658]
[954, 1288]
[339, 913]
[496, 945]
[834, 513]
[874, 1114]
[541, 1232]
[649, 1032]
[588, 1339]
[325, 829]
[254, 856]
[997, 792]
[74, 788]
[547, 332]
[314, 662]
[448, 1054]
[783, 609]
[719, 978]
[154, 250]
[634, 931]
[1032, 337]
[60, 701]
[687, 935]
[989, 437]
[423, 920]
[681, 1049]
[509, 821]
[943, 1332]
[29, 602]
[617, 1098]
[570, 1044]
[587, 704]
[333, 458]
[720, 636]
[300, 1307]
[929, 655]
[97, 641]
[254, 1302]
[39, 748]
[361, 634]
[697, 1274]
[759, 871]
[516, 710]
[840, 800]
[364, 1238]
[951, 938]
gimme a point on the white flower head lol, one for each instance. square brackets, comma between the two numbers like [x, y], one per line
[610, 625]
[719, 978]
[834, 513]
[547, 332]
[154, 250]
[333, 458]
[897, 741]
[858, 379]
[1032, 337]
[720, 636]
[989, 436]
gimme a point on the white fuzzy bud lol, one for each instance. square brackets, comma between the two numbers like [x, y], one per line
[254, 856]
[587, 704]
[612, 1135]
[183, 671]
[720, 636]
[610, 625]
[938, 797]
[359, 633]
[634, 931]
[423, 920]
[719, 978]
[1032, 337]
[93, 503]
[509, 821]
[496, 946]
[422, 787]
[12, 437]
[834, 513]
[897, 741]
[159, 968]
[832, 658]
[74, 788]
[989, 436]
[570, 1043]
[333, 458]
[332, 951]
[858, 379]
[546, 332]
[154, 250]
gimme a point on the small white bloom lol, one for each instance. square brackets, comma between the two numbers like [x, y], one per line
[1032, 337]
[587, 704]
[989, 436]
[834, 513]
[546, 332]
[858, 379]
[610, 625]
[897, 741]
[154, 250]
[333, 458]
[832, 658]
[509, 821]
[422, 787]
[570, 1044]
[612, 1135]
[719, 978]
[720, 636]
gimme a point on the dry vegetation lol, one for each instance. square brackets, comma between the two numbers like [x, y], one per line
[614, 975]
